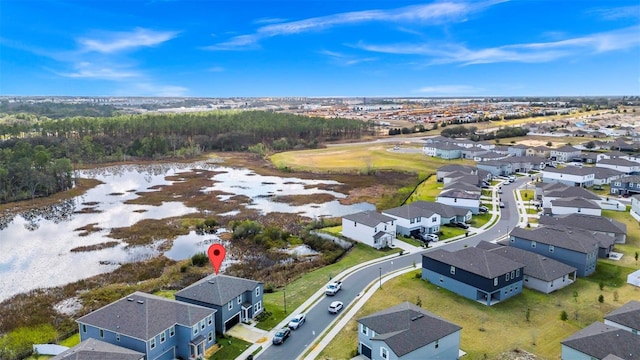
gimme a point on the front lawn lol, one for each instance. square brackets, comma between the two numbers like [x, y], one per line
[428, 190]
[480, 219]
[448, 232]
[230, 348]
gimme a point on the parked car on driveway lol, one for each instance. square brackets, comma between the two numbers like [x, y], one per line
[335, 307]
[483, 209]
[431, 237]
[297, 321]
[462, 225]
[282, 335]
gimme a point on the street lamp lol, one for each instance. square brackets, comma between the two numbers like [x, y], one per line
[285, 299]
[380, 277]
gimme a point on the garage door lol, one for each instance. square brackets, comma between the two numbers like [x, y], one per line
[231, 322]
[168, 355]
[365, 350]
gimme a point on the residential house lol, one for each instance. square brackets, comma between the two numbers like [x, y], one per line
[570, 176]
[567, 192]
[573, 205]
[539, 151]
[565, 153]
[234, 299]
[492, 155]
[159, 328]
[626, 317]
[621, 145]
[474, 273]
[540, 272]
[448, 214]
[610, 227]
[626, 185]
[413, 217]
[524, 164]
[622, 165]
[604, 176]
[591, 157]
[517, 150]
[95, 349]
[473, 152]
[448, 151]
[486, 145]
[406, 331]
[601, 342]
[573, 247]
[501, 150]
[370, 227]
[443, 171]
[460, 198]
[635, 207]
[496, 167]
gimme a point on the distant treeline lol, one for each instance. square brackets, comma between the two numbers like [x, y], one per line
[154, 136]
[55, 110]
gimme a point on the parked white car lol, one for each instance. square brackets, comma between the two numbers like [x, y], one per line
[297, 321]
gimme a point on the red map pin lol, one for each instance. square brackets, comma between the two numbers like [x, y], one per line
[216, 254]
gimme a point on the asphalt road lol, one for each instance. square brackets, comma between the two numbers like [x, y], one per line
[318, 317]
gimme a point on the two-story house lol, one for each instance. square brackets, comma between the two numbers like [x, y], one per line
[412, 217]
[474, 273]
[570, 176]
[448, 214]
[460, 198]
[626, 317]
[626, 185]
[370, 227]
[622, 165]
[95, 349]
[610, 227]
[565, 153]
[518, 150]
[406, 331]
[157, 327]
[572, 247]
[600, 341]
[234, 299]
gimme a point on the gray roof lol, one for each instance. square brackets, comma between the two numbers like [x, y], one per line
[447, 146]
[217, 289]
[535, 265]
[410, 211]
[463, 183]
[578, 240]
[577, 202]
[570, 170]
[566, 149]
[491, 155]
[627, 315]
[370, 218]
[407, 327]
[475, 260]
[630, 179]
[460, 194]
[144, 316]
[587, 222]
[617, 161]
[604, 173]
[599, 340]
[445, 211]
[455, 167]
[571, 191]
[92, 349]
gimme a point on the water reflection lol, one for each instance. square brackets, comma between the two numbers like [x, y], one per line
[35, 246]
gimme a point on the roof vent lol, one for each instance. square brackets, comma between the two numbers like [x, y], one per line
[129, 299]
[140, 302]
[419, 316]
[211, 281]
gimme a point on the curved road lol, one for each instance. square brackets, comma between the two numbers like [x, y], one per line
[318, 318]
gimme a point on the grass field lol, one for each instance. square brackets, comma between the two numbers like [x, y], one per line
[359, 158]
[502, 327]
[230, 348]
[304, 287]
[428, 190]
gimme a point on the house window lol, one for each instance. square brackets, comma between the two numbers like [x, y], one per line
[533, 244]
[434, 219]
[441, 279]
[455, 199]
[453, 270]
[230, 305]
[209, 319]
[506, 277]
[412, 220]
[437, 343]
[210, 336]
[512, 239]
[117, 337]
[384, 353]
[551, 248]
[202, 325]
[375, 230]
[618, 183]
[495, 281]
[84, 328]
[163, 337]
[258, 291]
[152, 343]
[579, 210]
[239, 299]
[101, 333]
[195, 330]
[172, 331]
[364, 329]
[257, 307]
[513, 273]
[517, 272]
[355, 224]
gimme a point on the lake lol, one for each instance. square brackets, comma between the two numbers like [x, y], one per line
[35, 246]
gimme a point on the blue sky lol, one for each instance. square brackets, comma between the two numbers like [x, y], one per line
[319, 48]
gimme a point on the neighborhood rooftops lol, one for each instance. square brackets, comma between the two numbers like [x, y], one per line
[407, 327]
[93, 349]
[476, 261]
[571, 191]
[587, 222]
[459, 194]
[444, 210]
[410, 211]
[576, 202]
[370, 218]
[217, 289]
[599, 340]
[578, 240]
[144, 316]
[571, 170]
[627, 315]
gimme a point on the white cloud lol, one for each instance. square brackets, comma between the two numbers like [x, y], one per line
[617, 13]
[435, 13]
[111, 42]
[449, 90]
[150, 89]
[526, 53]
[86, 70]
[216, 69]
[344, 59]
[269, 20]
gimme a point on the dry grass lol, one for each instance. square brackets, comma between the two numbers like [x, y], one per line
[500, 328]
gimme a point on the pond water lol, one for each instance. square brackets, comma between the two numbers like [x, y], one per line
[35, 246]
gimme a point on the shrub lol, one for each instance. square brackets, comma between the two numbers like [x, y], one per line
[199, 259]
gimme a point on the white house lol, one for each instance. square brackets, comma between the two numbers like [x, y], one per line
[626, 317]
[565, 153]
[625, 166]
[414, 217]
[570, 176]
[460, 198]
[370, 227]
[575, 206]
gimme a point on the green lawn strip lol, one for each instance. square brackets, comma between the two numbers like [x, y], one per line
[532, 211]
[335, 230]
[506, 321]
[169, 294]
[448, 232]
[230, 348]
[527, 195]
[410, 241]
[304, 287]
[480, 219]
[71, 341]
[633, 238]
[428, 190]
